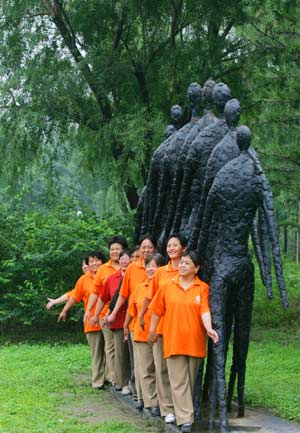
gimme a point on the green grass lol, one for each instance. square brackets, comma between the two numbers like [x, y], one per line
[40, 386]
[273, 373]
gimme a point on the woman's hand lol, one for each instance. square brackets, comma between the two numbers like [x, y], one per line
[152, 337]
[213, 335]
[94, 321]
[126, 333]
[50, 303]
[62, 316]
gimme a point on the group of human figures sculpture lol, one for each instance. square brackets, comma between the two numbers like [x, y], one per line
[205, 182]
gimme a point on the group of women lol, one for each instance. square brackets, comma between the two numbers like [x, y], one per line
[153, 317]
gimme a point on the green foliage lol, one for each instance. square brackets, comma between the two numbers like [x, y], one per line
[270, 313]
[41, 253]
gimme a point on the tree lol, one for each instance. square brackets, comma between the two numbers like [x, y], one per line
[102, 76]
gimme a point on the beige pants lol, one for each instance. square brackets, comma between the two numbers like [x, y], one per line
[122, 364]
[183, 372]
[109, 354]
[146, 373]
[96, 342]
[162, 378]
[136, 375]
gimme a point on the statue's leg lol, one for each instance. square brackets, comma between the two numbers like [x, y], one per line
[208, 372]
[242, 330]
[218, 300]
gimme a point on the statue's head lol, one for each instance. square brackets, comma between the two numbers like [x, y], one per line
[243, 137]
[176, 113]
[232, 112]
[207, 91]
[170, 130]
[194, 94]
[221, 94]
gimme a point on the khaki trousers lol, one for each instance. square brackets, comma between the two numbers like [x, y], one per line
[109, 354]
[122, 364]
[146, 373]
[162, 378]
[96, 342]
[136, 375]
[183, 372]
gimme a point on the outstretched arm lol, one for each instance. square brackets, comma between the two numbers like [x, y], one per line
[56, 301]
[63, 314]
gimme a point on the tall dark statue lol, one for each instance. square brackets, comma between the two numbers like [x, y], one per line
[169, 161]
[146, 205]
[196, 161]
[207, 118]
[232, 202]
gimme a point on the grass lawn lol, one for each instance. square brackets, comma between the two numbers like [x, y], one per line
[44, 388]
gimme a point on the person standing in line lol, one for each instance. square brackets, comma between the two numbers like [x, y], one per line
[176, 244]
[143, 350]
[116, 244]
[135, 274]
[94, 335]
[111, 285]
[183, 301]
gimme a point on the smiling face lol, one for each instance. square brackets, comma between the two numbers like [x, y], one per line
[94, 264]
[146, 248]
[84, 267]
[187, 268]
[114, 252]
[151, 268]
[174, 248]
[124, 261]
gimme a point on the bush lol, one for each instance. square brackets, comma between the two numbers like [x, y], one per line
[40, 256]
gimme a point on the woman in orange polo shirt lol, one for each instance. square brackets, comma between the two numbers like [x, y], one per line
[176, 244]
[143, 350]
[134, 275]
[183, 301]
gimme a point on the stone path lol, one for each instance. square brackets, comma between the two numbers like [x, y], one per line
[255, 421]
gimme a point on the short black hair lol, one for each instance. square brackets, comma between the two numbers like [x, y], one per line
[99, 254]
[148, 237]
[134, 249]
[158, 258]
[182, 239]
[193, 255]
[127, 251]
[118, 239]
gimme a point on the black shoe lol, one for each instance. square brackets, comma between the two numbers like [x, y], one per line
[99, 388]
[140, 405]
[186, 427]
[155, 411]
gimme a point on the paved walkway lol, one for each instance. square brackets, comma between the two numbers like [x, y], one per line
[255, 421]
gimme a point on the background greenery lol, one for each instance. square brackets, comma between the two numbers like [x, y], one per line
[85, 92]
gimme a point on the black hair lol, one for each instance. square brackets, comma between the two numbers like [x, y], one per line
[118, 239]
[99, 254]
[182, 239]
[126, 251]
[158, 258]
[193, 256]
[85, 259]
[134, 249]
[148, 237]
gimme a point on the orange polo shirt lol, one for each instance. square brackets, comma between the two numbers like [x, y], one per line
[134, 274]
[184, 333]
[103, 273]
[81, 292]
[135, 306]
[69, 294]
[162, 274]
